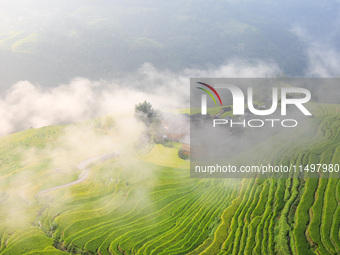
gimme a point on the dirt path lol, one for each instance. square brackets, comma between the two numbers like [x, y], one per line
[82, 177]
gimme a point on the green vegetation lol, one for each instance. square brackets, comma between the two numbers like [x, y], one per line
[146, 113]
[146, 203]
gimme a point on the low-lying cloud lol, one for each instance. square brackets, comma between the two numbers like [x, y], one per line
[26, 105]
[323, 58]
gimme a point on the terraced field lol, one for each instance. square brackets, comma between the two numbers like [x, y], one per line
[145, 202]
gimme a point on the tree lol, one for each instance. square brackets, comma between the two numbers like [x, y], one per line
[146, 113]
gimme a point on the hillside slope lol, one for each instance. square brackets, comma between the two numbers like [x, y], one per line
[144, 202]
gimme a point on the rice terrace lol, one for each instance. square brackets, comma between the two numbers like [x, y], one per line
[144, 202]
[170, 127]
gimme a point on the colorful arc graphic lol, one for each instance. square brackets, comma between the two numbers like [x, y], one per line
[213, 90]
[208, 92]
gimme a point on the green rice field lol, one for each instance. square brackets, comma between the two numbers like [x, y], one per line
[146, 202]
